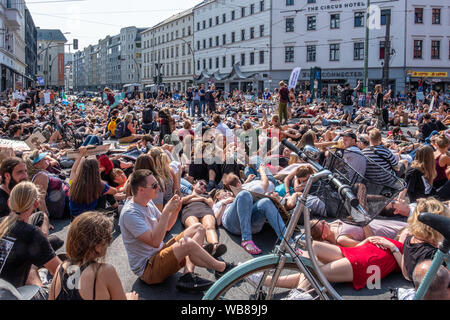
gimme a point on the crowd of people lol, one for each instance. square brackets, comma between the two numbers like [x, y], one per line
[212, 159]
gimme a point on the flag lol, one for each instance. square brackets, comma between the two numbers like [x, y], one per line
[294, 77]
[65, 101]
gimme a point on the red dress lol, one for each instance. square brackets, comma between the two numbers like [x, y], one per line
[367, 255]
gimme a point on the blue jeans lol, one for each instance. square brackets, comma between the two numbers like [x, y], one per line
[257, 161]
[185, 187]
[190, 106]
[246, 218]
[92, 140]
[203, 106]
[197, 108]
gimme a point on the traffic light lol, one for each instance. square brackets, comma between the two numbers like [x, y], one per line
[75, 44]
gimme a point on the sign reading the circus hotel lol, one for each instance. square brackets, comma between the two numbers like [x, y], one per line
[328, 7]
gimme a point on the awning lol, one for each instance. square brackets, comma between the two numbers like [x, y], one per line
[235, 74]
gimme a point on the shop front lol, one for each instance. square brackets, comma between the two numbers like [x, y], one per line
[428, 80]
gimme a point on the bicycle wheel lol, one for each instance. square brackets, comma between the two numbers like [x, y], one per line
[241, 282]
[69, 136]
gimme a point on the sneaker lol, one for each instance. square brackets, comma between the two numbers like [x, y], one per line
[192, 282]
[297, 294]
[228, 267]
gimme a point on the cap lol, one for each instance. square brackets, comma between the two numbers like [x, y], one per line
[40, 157]
[350, 135]
[9, 292]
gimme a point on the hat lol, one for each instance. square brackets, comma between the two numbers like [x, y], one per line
[8, 292]
[350, 135]
[40, 157]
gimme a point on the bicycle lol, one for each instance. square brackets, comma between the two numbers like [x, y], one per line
[247, 281]
[442, 225]
[66, 130]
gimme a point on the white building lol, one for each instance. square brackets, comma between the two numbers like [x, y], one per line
[12, 45]
[169, 45]
[331, 35]
[232, 43]
[130, 54]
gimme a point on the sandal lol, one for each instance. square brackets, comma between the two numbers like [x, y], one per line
[251, 247]
[209, 248]
[221, 249]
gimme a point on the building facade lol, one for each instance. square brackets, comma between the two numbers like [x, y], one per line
[331, 35]
[51, 50]
[68, 72]
[131, 54]
[12, 45]
[232, 44]
[168, 52]
[30, 50]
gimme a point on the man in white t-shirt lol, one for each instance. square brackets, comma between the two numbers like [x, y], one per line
[143, 229]
[222, 128]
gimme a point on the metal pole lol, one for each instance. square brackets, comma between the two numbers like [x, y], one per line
[387, 52]
[366, 52]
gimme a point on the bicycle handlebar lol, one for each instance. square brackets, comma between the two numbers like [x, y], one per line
[344, 190]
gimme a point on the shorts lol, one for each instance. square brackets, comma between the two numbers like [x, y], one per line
[163, 264]
[348, 110]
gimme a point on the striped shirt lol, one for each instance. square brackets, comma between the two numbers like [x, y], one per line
[380, 156]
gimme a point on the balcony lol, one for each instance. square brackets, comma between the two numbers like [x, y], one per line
[13, 18]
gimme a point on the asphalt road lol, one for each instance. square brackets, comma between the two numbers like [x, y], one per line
[266, 240]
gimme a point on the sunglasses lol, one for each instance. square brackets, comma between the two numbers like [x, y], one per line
[154, 186]
[202, 184]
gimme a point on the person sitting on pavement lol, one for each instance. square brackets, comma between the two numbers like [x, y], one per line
[143, 229]
[12, 172]
[27, 246]
[440, 285]
[88, 239]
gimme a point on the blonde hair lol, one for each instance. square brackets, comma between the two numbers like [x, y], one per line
[421, 230]
[162, 163]
[425, 163]
[128, 117]
[22, 198]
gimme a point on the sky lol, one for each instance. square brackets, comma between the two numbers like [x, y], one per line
[92, 20]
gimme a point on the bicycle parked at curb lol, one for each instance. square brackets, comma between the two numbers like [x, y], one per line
[341, 188]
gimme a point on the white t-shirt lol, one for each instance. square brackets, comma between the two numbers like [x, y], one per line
[134, 221]
[256, 186]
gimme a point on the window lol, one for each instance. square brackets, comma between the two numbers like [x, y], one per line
[198, 45]
[261, 5]
[289, 54]
[224, 18]
[382, 49]
[359, 19]
[242, 59]
[311, 23]
[358, 51]
[289, 2]
[252, 58]
[435, 49]
[252, 9]
[261, 30]
[204, 43]
[261, 57]
[217, 41]
[334, 52]
[252, 33]
[311, 53]
[289, 24]
[436, 16]
[224, 39]
[242, 34]
[243, 12]
[217, 20]
[224, 62]
[311, 1]
[233, 37]
[210, 63]
[217, 62]
[384, 14]
[210, 42]
[210, 22]
[334, 21]
[418, 15]
[204, 24]
[233, 15]
[418, 45]
[204, 64]
[189, 31]
[198, 64]
[233, 60]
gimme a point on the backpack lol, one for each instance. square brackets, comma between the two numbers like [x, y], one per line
[119, 132]
[147, 116]
[112, 126]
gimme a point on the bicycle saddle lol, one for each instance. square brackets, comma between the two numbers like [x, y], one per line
[439, 223]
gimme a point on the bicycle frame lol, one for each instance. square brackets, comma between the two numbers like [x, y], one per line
[441, 255]
[322, 287]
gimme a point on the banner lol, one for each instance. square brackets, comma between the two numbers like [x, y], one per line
[294, 77]
[425, 74]
[61, 67]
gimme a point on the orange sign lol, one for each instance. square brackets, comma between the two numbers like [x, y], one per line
[425, 74]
